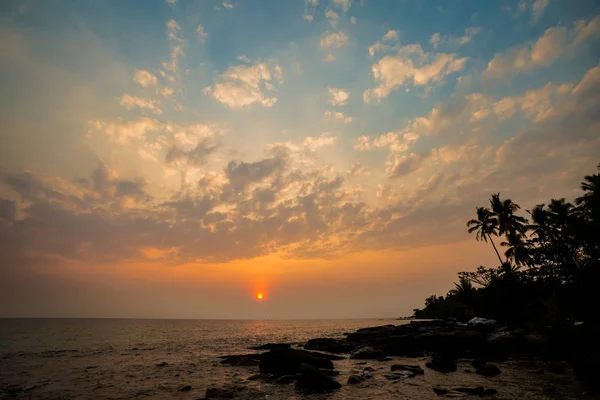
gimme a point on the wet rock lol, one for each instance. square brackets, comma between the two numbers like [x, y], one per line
[367, 353]
[271, 346]
[354, 379]
[488, 370]
[453, 343]
[186, 388]
[441, 364]
[462, 391]
[587, 370]
[288, 361]
[368, 334]
[241, 360]
[286, 379]
[162, 364]
[478, 362]
[399, 375]
[481, 321]
[232, 392]
[312, 379]
[415, 369]
[330, 372]
[330, 345]
[384, 359]
[489, 392]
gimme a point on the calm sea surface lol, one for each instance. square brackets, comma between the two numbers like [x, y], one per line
[117, 359]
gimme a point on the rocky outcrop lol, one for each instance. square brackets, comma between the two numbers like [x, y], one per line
[271, 346]
[441, 364]
[330, 345]
[488, 370]
[367, 353]
[288, 361]
[415, 369]
[241, 360]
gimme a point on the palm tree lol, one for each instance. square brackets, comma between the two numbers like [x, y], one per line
[463, 290]
[484, 226]
[504, 213]
[518, 250]
[590, 201]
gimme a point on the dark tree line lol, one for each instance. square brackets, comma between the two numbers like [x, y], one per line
[549, 266]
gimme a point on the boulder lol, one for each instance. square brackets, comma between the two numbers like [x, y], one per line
[454, 343]
[312, 379]
[415, 369]
[399, 375]
[367, 353]
[330, 345]
[186, 388]
[441, 364]
[162, 364]
[481, 321]
[286, 379]
[271, 346]
[488, 370]
[369, 334]
[354, 379]
[288, 361]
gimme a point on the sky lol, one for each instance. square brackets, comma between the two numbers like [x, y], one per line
[171, 159]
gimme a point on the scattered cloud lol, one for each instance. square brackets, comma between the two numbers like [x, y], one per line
[343, 4]
[437, 40]
[244, 85]
[130, 102]
[307, 17]
[334, 40]
[333, 17]
[227, 5]
[145, 78]
[337, 116]
[201, 33]
[338, 97]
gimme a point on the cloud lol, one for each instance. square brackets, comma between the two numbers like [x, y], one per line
[390, 35]
[536, 104]
[338, 116]
[378, 46]
[343, 4]
[130, 102]
[393, 72]
[145, 78]
[122, 131]
[307, 17]
[334, 40]
[227, 5]
[587, 30]
[333, 17]
[437, 40]
[338, 97]
[201, 33]
[358, 170]
[244, 85]
[538, 7]
[171, 2]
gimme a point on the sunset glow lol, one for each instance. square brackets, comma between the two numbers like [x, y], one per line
[190, 159]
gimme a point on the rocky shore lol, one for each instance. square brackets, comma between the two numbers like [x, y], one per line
[475, 352]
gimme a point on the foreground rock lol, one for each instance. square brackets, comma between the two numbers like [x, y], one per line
[462, 391]
[234, 392]
[415, 369]
[441, 364]
[488, 370]
[311, 379]
[241, 360]
[367, 353]
[289, 361]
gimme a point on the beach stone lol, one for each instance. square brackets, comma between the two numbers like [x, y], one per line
[488, 370]
[271, 346]
[441, 364]
[330, 345]
[399, 375]
[368, 334]
[415, 369]
[312, 379]
[354, 379]
[186, 388]
[162, 364]
[367, 353]
[288, 361]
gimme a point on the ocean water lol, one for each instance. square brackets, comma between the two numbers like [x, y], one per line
[117, 359]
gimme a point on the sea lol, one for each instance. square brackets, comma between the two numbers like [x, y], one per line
[121, 358]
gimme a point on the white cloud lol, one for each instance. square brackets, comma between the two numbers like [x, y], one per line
[122, 131]
[390, 35]
[244, 85]
[130, 102]
[338, 116]
[587, 30]
[358, 170]
[538, 7]
[338, 97]
[333, 17]
[313, 3]
[352, 20]
[336, 40]
[438, 40]
[343, 4]
[201, 33]
[307, 17]
[171, 2]
[166, 92]
[172, 29]
[227, 5]
[392, 72]
[314, 144]
[145, 78]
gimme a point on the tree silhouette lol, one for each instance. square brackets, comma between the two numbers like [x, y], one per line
[485, 226]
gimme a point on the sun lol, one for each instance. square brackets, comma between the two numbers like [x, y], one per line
[259, 296]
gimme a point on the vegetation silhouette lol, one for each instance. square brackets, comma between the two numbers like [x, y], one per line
[551, 269]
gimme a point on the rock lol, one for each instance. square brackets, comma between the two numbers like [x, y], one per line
[489, 392]
[241, 360]
[367, 353]
[330, 345]
[288, 361]
[361, 363]
[415, 369]
[478, 362]
[271, 346]
[481, 321]
[314, 380]
[488, 370]
[186, 388]
[468, 371]
[441, 364]
[162, 364]
[368, 334]
[231, 392]
[384, 359]
[399, 375]
[256, 377]
[370, 369]
[354, 379]
[587, 370]
[452, 343]
[330, 372]
[460, 391]
[331, 357]
[286, 379]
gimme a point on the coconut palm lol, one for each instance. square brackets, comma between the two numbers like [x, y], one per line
[485, 226]
[504, 213]
[518, 249]
[590, 201]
